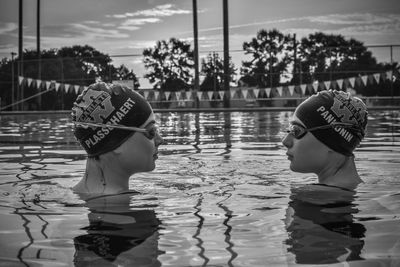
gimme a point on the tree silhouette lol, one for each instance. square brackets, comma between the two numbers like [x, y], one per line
[170, 65]
[212, 68]
[270, 52]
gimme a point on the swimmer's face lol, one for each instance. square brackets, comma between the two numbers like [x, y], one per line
[140, 151]
[306, 154]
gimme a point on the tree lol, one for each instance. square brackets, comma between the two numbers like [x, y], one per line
[327, 57]
[270, 52]
[170, 65]
[213, 69]
[123, 73]
[76, 65]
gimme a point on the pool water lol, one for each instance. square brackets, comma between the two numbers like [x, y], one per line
[221, 195]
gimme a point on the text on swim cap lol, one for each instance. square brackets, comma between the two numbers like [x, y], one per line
[329, 118]
[115, 119]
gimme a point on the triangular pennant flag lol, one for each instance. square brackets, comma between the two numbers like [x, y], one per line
[291, 90]
[199, 94]
[279, 89]
[364, 79]
[376, 76]
[48, 85]
[178, 95]
[303, 88]
[66, 87]
[20, 79]
[340, 83]
[57, 86]
[210, 94]
[352, 81]
[325, 85]
[146, 94]
[76, 89]
[330, 85]
[156, 95]
[389, 75]
[38, 84]
[29, 81]
[256, 92]
[268, 91]
[314, 87]
[167, 94]
[233, 93]
[245, 93]
[221, 94]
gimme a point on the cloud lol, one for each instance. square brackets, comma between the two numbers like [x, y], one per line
[159, 11]
[355, 18]
[7, 27]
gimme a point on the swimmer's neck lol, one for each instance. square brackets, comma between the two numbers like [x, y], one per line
[101, 179]
[344, 175]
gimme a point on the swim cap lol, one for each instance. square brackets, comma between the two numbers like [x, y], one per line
[327, 107]
[103, 103]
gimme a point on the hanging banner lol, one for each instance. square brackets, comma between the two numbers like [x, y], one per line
[352, 82]
[48, 85]
[325, 85]
[178, 95]
[66, 88]
[156, 95]
[233, 93]
[146, 94]
[221, 94]
[199, 95]
[279, 89]
[29, 81]
[291, 90]
[210, 94]
[38, 84]
[268, 91]
[303, 88]
[376, 76]
[20, 79]
[76, 89]
[245, 93]
[256, 92]
[167, 94]
[389, 75]
[57, 86]
[364, 79]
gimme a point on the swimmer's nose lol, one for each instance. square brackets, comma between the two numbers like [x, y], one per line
[158, 139]
[287, 141]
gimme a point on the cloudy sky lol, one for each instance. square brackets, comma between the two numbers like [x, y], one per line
[126, 27]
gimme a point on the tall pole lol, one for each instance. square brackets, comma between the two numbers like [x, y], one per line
[226, 55]
[20, 93]
[38, 50]
[12, 80]
[196, 53]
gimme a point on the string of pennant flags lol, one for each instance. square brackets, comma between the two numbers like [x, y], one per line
[235, 93]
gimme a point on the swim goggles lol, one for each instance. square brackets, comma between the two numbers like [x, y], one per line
[149, 132]
[298, 131]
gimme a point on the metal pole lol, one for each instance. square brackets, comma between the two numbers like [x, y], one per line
[12, 80]
[38, 51]
[196, 53]
[226, 54]
[20, 93]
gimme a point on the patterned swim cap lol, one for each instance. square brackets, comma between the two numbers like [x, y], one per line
[332, 107]
[103, 103]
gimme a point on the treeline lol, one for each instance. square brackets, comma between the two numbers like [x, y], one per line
[274, 59]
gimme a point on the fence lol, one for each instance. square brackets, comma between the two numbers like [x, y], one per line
[49, 93]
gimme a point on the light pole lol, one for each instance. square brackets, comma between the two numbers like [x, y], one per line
[12, 79]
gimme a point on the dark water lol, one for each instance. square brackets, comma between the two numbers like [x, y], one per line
[221, 195]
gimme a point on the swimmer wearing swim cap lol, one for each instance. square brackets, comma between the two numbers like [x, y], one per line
[324, 131]
[116, 127]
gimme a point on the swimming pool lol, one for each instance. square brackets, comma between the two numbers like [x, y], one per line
[221, 195]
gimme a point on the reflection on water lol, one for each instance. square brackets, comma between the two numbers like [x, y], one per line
[321, 225]
[116, 227]
[221, 195]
